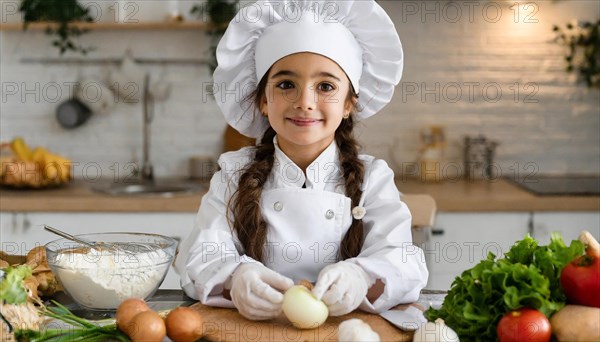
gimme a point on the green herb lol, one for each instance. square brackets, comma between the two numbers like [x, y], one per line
[80, 329]
[63, 13]
[583, 42]
[12, 290]
[528, 276]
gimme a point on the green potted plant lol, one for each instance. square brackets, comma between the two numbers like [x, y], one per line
[220, 13]
[583, 56]
[62, 14]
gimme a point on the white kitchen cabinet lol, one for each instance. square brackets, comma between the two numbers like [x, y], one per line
[21, 232]
[569, 224]
[460, 240]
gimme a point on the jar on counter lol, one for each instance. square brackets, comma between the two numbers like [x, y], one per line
[479, 153]
[432, 154]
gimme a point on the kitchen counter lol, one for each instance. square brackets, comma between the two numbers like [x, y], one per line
[78, 196]
[450, 196]
[496, 195]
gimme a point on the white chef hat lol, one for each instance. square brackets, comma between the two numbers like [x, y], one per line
[356, 34]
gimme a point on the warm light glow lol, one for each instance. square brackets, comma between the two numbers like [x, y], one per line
[525, 12]
[524, 19]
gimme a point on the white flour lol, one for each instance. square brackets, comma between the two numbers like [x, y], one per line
[102, 280]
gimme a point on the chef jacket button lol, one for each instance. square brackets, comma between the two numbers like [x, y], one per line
[278, 206]
[329, 214]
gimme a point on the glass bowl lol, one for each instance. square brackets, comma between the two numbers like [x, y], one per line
[123, 265]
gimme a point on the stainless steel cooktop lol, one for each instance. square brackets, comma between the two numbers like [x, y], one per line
[574, 185]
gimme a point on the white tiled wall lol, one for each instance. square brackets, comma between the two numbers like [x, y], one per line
[450, 46]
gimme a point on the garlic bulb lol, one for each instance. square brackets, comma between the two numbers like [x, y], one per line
[356, 330]
[435, 332]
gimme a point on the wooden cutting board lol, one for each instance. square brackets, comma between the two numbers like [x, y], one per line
[223, 324]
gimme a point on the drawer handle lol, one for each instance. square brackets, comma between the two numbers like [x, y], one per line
[437, 232]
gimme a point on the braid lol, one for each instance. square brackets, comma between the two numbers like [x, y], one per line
[353, 170]
[248, 221]
[244, 205]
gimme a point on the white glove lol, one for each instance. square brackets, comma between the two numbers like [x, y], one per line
[254, 291]
[342, 287]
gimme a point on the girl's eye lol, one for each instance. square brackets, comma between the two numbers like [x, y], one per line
[285, 85]
[326, 87]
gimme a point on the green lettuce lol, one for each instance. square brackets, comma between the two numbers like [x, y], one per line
[12, 290]
[527, 276]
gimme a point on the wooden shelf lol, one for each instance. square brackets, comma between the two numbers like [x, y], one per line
[186, 25]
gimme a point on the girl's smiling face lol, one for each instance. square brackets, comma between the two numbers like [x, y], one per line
[305, 99]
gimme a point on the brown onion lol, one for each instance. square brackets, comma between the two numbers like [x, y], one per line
[147, 326]
[128, 309]
[184, 325]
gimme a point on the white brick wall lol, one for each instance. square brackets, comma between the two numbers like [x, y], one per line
[557, 128]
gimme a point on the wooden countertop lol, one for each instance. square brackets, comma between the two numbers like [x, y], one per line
[455, 196]
[496, 195]
[79, 196]
[224, 324]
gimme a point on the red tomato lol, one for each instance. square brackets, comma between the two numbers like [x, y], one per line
[580, 280]
[524, 325]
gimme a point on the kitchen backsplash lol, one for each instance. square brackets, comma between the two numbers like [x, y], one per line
[471, 67]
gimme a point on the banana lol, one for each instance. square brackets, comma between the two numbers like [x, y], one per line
[59, 166]
[56, 168]
[20, 149]
[53, 169]
[50, 170]
[65, 165]
[38, 155]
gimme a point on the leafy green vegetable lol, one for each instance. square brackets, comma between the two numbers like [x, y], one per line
[12, 290]
[81, 330]
[64, 13]
[528, 276]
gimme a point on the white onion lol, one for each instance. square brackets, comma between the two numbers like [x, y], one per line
[356, 330]
[303, 309]
[435, 332]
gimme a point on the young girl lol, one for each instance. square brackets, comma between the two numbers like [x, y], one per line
[303, 203]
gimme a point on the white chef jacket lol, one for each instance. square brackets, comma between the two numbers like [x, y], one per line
[307, 217]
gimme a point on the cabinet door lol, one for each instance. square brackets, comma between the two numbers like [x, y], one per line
[461, 240]
[27, 235]
[569, 224]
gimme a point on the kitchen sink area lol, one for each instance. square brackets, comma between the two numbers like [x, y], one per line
[560, 185]
[164, 188]
[146, 184]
